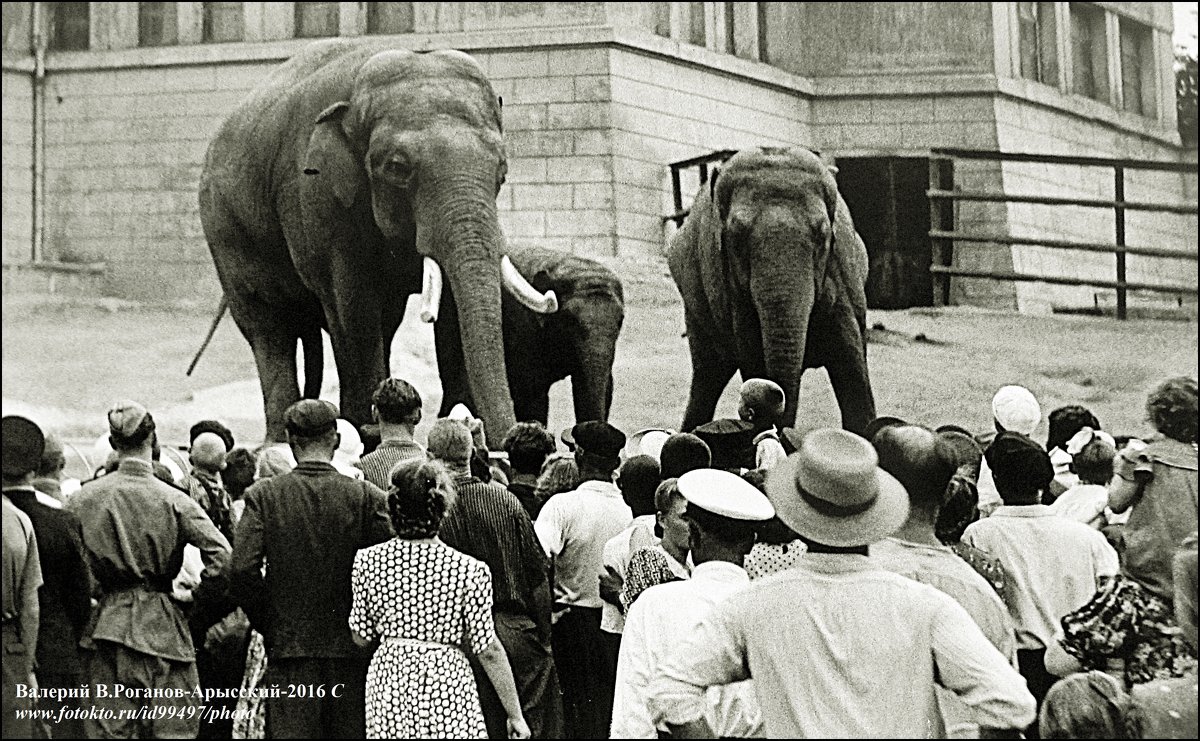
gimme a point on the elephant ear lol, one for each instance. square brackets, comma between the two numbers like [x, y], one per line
[331, 158]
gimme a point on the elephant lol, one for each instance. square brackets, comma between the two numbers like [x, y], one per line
[773, 280]
[351, 177]
[579, 340]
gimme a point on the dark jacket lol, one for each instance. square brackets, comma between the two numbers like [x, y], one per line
[307, 525]
[64, 598]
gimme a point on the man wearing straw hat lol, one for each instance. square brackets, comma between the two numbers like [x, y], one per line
[834, 636]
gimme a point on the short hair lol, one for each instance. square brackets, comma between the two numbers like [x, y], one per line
[327, 439]
[666, 493]
[528, 444]
[1065, 422]
[240, 464]
[683, 452]
[763, 396]
[1171, 408]
[559, 473]
[1085, 705]
[1093, 464]
[419, 497]
[920, 460]
[638, 481]
[966, 451]
[53, 459]
[450, 441]
[136, 439]
[728, 531]
[397, 401]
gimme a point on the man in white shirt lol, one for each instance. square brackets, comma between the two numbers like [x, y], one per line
[1053, 564]
[839, 648]
[573, 528]
[722, 511]
[924, 463]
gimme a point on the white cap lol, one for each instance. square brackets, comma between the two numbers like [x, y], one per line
[726, 494]
[1016, 409]
[647, 442]
[460, 413]
[351, 446]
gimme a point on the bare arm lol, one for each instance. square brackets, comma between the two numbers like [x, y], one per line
[495, 663]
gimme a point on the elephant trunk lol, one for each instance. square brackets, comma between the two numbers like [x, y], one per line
[783, 310]
[467, 242]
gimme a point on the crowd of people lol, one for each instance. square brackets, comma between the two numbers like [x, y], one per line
[738, 580]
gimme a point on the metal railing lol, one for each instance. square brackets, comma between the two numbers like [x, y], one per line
[702, 162]
[943, 233]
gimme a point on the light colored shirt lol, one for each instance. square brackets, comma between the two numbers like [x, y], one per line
[839, 648]
[22, 577]
[659, 618]
[989, 497]
[573, 528]
[768, 451]
[1084, 503]
[942, 569]
[617, 551]
[1053, 566]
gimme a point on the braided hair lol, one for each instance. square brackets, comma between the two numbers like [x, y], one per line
[420, 495]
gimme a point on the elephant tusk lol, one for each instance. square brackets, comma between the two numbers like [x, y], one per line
[431, 290]
[522, 291]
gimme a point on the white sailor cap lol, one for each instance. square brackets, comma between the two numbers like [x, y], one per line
[726, 494]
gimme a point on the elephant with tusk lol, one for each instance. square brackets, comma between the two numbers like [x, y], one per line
[773, 279]
[565, 324]
[353, 176]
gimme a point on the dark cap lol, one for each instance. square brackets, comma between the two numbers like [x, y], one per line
[598, 438]
[1019, 466]
[215, 427]
[683, 452]
[731, 442]
[311, 418]
[23, 443]
[640, 474]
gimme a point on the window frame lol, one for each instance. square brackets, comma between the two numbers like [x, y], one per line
[208, 25]
[56, 37]
[169, 22]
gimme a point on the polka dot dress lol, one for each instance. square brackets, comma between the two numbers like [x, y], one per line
[765, 559]
[428, 604]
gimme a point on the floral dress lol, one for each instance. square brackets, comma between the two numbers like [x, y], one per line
[1127, 621]
[428, 604]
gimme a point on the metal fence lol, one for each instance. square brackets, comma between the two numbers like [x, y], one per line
[943, 233]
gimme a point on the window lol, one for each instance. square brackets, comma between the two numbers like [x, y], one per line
[1039, 47]
[1137, 68]
[697, 33]
[70, 26]
[662, 19]
[389, 17]
[223, 22]
[316, 19]
[730, 34]
[1088, 52]
[157, 25]
[16, 25]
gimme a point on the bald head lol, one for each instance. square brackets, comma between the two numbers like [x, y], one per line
[920, 460]
[208, 452]
[762, 402]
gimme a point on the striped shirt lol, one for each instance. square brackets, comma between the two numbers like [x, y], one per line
[377, 465]
[488, 523]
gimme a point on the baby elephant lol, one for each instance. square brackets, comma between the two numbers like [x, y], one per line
[579, 340]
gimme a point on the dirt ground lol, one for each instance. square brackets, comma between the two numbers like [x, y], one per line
[65, 361]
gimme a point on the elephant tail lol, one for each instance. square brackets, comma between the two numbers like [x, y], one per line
[221, 307]
[314, 361]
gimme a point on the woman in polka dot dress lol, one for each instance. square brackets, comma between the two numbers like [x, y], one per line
[428, 605]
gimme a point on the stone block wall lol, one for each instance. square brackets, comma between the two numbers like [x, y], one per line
[17, 162]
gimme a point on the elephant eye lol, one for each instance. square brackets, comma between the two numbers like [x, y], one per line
[398, 171]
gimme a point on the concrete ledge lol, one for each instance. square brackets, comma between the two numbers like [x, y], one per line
[53, 266]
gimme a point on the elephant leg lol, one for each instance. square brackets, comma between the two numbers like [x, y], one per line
[273, 343]
[314, 360]
[360, 357]
[846, 363]
[712, 367]
[534, 407]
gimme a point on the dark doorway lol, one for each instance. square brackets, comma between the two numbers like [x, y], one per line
[886, 196]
